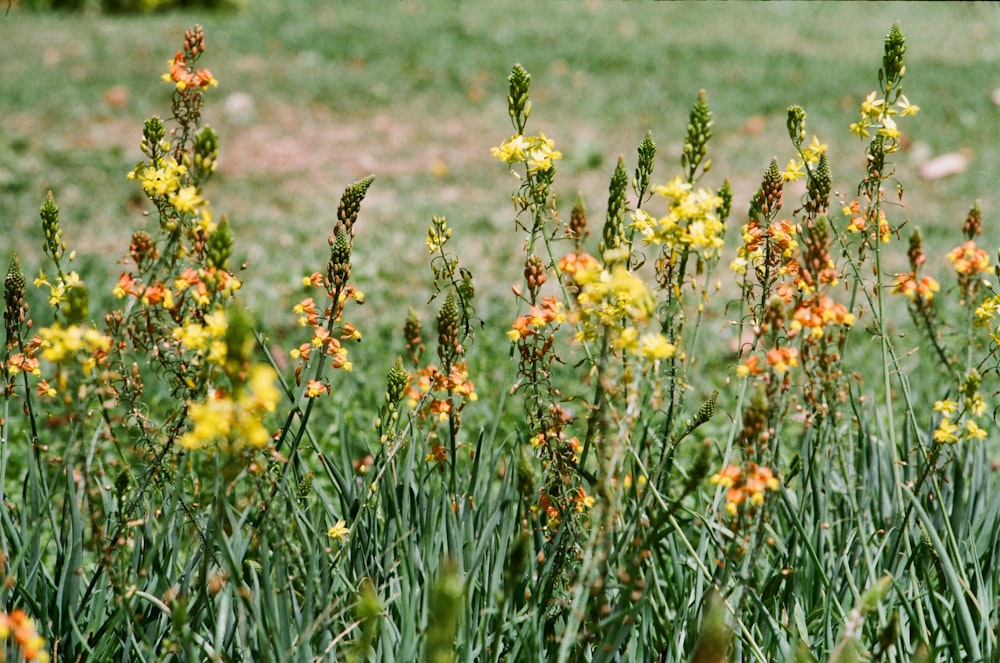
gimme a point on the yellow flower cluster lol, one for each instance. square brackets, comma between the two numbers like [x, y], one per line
[57, 290]
[234, 422]
[614, 298]
[61, 345]
[160, 179]
[958, 419]
[691, 220]
[986, 313]
[796, 170]
[207, 338]
[877, 115]
[538, 152]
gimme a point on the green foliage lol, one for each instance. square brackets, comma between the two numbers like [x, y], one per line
[180, 486]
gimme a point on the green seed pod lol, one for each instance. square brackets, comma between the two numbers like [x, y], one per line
[412, 335]
[53, 245]
[396, 383]
[339, 268]
[220, 244]
[769, 197]
[518, 104]
[206, 152]
[350, 203]
[699, 131]
[614, 222]
[13, 296]
[707, 409]
[796, 124]
[726, 194]
[818, 187]
[892, 62]
[447, 326]
[153, 132]
[647, 155]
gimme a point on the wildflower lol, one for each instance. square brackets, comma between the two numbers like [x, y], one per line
[183, 76]
[61, 344]
[513, 150]
[541, 155]
[750, 367]
[232, 422]
[915, 290]
[814, 150]
[794, 171]
[339, 531]
[161, 179]
[973, 431]
[21, 629]
[782, 359]
[315, 280]
[186, 200]
[945, 432]
[537, 151]
[969, 259]
[655, 346]
[745, 483]
[315, 388]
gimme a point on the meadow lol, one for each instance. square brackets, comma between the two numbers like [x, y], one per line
[501, 332]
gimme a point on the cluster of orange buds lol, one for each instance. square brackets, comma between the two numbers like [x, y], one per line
[25, 361]
[819, 312]
[574, 263]
[205, 281]
[538, 317]
[440, 387]
[771, 249]
[578, 500]
[860, 221]
[919, 290]
[779, 360]
[969, 259]
[745, 485]
[20, 628]
[969, 262]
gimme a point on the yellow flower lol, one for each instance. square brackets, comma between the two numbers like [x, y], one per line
[340, 531]
[814, 150]
[187, 200]
[905, 107]
[973, 431]
[945, 431]
[513, 150]
[655, 346]
[794, 171]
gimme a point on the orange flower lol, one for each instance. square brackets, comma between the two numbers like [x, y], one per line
[969, 259]
[781, 359]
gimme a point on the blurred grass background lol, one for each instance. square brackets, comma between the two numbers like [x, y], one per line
[315, 95]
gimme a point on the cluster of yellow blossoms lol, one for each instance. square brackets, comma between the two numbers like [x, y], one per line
[537, 152]
[613, 298]
[877, 115]
[691, 221]
[230, 422]
[958, 418]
